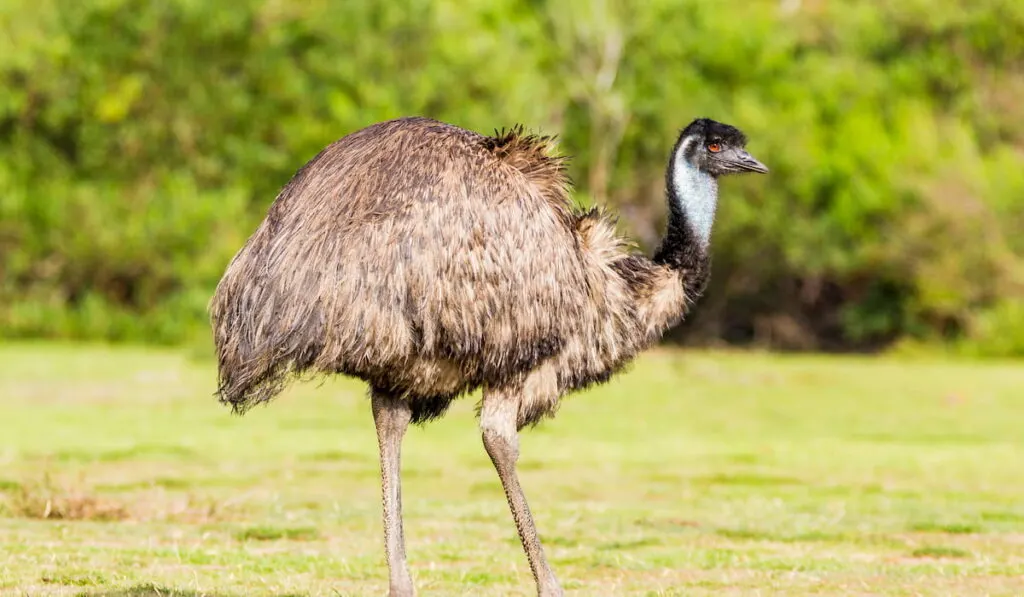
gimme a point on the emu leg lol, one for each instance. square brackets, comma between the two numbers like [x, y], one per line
[391, 416]
[498, 423]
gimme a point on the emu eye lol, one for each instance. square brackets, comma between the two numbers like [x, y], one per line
[714, 148]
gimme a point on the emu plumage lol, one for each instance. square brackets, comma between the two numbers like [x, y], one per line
[429, 260]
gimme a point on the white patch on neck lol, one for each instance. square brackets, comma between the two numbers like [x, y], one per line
[696, 193]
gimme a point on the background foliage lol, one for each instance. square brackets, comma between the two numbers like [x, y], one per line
[141, 142]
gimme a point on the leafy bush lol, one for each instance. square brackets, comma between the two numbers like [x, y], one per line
[140, 143]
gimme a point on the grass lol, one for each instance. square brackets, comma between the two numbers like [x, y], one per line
[694, 474]
[272, 533]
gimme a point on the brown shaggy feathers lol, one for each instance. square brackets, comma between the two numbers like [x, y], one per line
[429, 260]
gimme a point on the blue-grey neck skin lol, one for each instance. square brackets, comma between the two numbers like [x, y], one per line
[694, 193]
[692, 199]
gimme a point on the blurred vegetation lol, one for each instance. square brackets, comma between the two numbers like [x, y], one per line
[141, 142]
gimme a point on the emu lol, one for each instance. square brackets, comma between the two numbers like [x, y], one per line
[429, 261]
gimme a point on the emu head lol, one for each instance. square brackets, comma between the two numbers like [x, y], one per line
[717, 149]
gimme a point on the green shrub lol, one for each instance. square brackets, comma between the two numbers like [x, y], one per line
[140, 143]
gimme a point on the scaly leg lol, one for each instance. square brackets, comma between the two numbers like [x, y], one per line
[391, 416]
[498, 423]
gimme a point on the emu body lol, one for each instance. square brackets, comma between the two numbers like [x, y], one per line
[429, 260]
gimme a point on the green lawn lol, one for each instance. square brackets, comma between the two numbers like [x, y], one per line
[693, 474]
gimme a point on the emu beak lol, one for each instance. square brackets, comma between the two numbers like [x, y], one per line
[748, 163]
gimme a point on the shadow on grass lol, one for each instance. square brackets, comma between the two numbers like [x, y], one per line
[158, 591]
[151, 591]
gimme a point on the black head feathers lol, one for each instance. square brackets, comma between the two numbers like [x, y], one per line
[715, 132]
[716, 148]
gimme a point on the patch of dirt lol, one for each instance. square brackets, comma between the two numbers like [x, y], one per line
[48, 499]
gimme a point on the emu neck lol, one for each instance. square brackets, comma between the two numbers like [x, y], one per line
[692, 199]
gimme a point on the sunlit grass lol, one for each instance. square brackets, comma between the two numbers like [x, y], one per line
[694, 474]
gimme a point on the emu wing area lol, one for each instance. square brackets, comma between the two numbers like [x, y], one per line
[416, 255]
